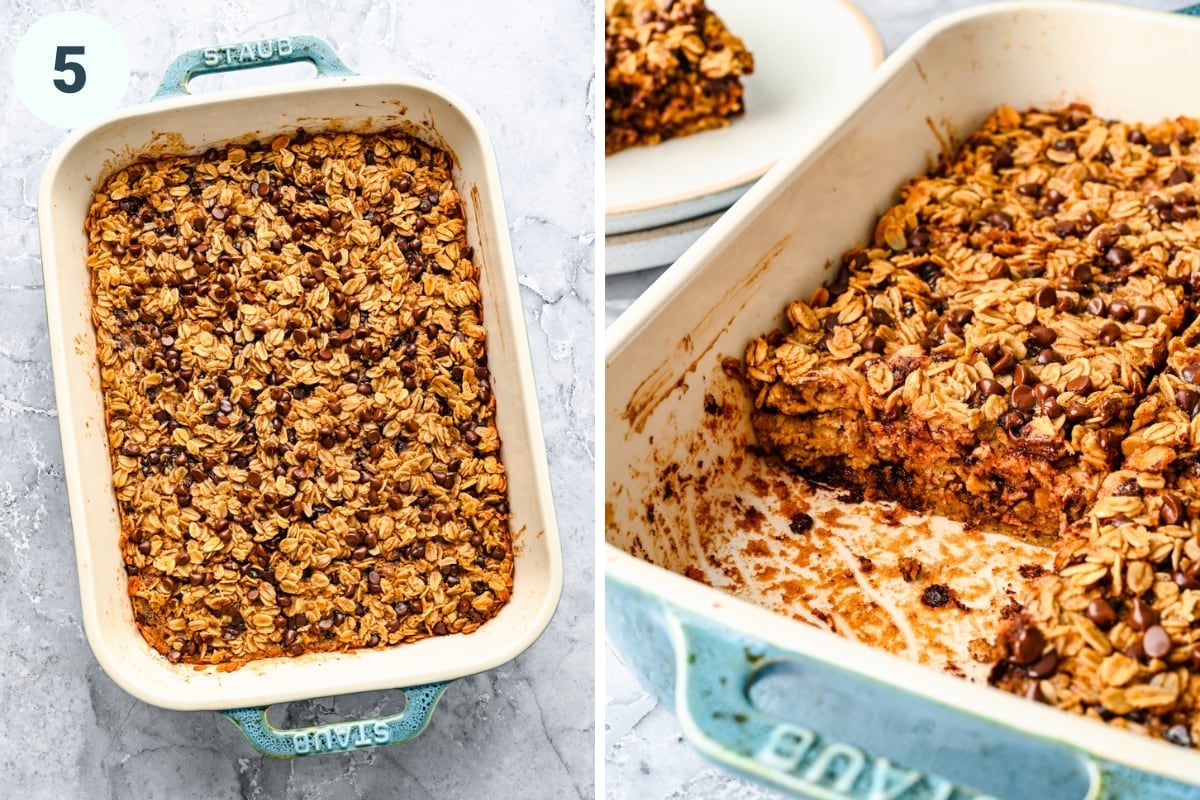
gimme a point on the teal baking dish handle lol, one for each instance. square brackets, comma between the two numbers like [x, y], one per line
[714, 676]
[339, 737]
[249, 55]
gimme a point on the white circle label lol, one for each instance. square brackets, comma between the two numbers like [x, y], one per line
[71, 69]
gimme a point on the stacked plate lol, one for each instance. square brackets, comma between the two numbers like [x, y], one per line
[810, 59]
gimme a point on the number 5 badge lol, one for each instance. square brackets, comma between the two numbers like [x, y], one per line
[71, 69]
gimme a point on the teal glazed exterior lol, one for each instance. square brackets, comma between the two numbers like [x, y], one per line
[249, 55]
[340, 737]
[832, 734]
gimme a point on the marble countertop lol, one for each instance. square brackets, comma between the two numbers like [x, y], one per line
[68, 731]
[645, 755]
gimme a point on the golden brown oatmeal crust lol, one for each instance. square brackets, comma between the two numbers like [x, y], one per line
[299, 411]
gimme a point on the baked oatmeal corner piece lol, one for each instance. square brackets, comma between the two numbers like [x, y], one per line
[672, 68]
[1114, 628]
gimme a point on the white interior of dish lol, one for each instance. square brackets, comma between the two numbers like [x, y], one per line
[778, 244]
[191, 125]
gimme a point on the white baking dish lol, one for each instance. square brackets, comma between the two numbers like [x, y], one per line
[190, 124]
[690, 642]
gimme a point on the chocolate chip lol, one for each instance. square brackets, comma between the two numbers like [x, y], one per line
[948, 326]
[1043, 336]
[874, 344]
[1000, 220]
[1044, 667]
[801, 523]
[1110, 333]
[998, 271]
[935, 596]
[1142, 615]
[1118, 256]
[1156, 642]
[879, 317]
[1081, 385]
[1106, 238]
[1179, 734]
[1027, 645]
[1012, 421]
[1101, 613]
[1022, 398]
[1178, 175]
[1081, 274]
[1096, 307]
[989, 387]
[1145, 315]
[1190, 373]
[992, 351]
[1109, 441]
[1049, 356]
[1029, 190]
[1188, 578]
[1160, 149]
[1023, 376]
[1172, 510]
[1046, 297]
[1187, 400]
[1135, 136]
[1044, 392]
[1065, 227]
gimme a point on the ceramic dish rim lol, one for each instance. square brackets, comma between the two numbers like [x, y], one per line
[545, 602]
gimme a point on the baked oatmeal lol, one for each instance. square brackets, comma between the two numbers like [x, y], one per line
[1015, 349]
[672, 68]
[298, 405]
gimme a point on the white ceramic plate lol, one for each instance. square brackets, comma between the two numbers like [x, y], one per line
[811, 58]
[655, 247]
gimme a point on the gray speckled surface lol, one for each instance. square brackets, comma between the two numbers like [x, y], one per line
[68, 731]
[645, 756]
